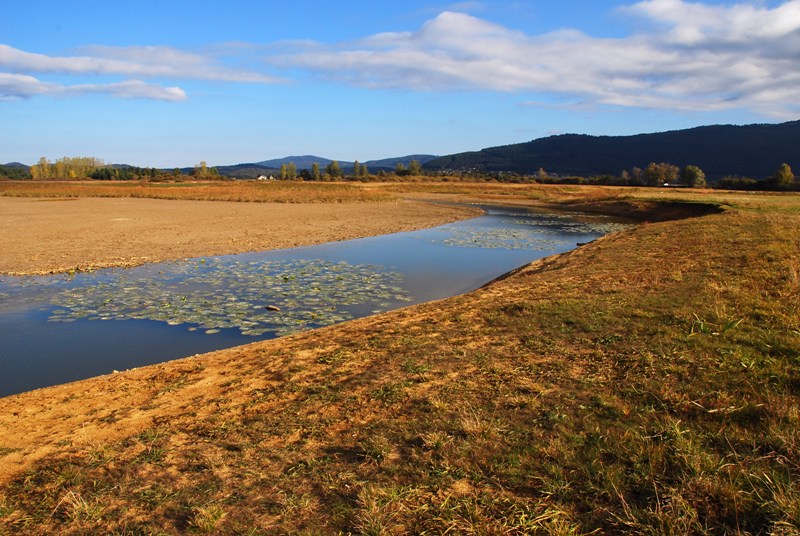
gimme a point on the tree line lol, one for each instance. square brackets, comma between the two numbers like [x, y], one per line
[654, 174]
[783, 180]
[334, 171]
[65, 168]
[86, 167]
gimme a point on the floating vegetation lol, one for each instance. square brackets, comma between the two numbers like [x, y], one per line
[279, 297]
[530, 233]
[575, 227]
[500, 239]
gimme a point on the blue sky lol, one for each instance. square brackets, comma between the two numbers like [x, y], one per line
[171, 83]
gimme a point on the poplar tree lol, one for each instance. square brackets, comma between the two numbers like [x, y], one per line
[41, 171]
[784, 178]
[693, 177]
[663, 173]
[334, 169]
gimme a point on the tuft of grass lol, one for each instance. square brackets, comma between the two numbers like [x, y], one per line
[75, 507]
[206, 519]
[379, 511]
[475, 423]
[376, 448]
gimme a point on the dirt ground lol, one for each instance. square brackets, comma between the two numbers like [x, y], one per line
[46, 235]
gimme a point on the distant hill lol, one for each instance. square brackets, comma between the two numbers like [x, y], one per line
[16, 165]
[389, 164]
[245, 171]
[14, 171]
[306, 161]
[272, 167]
[753, 151]
[302, 162]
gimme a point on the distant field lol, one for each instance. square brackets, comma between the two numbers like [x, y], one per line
[249, 191]
[322, 192]
[59, 233]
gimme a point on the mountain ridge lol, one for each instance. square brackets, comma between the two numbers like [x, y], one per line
[306, 161]
[754, 150]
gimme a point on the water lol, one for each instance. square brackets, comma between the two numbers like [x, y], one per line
[57, 329]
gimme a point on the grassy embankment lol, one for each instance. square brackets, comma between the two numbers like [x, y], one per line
[246, 191]
[648, 382]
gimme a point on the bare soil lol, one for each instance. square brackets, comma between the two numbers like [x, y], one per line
[52, 235]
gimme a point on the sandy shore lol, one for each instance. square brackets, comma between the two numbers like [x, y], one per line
[59, 235]
[48, 235]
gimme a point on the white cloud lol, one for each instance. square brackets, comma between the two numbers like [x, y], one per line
[684, 56]
[140, 61]
[134, 61]
[18, 86]
[695, 23]
[129, 89]
[688, 56]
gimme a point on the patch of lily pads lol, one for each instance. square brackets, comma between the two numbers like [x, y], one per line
[257, 298]
[499, 239]
[575, 227]
[535, 234]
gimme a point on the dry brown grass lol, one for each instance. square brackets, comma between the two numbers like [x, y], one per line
[646, 383]
[246, 191]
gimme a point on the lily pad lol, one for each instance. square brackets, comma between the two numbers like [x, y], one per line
[574, 227]
[254, 297]
[526, 232]
[499, 239]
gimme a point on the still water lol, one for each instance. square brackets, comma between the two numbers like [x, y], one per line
[57, 329]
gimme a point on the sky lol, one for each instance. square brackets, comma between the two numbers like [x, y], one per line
[170, 83]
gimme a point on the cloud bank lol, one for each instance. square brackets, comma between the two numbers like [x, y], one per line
[18, 86]
[683, 55]
[133, 61]
[687, 56]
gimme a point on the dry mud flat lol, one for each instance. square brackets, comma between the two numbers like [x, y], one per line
[49, 235]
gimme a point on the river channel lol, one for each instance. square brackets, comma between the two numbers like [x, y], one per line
[56, 329]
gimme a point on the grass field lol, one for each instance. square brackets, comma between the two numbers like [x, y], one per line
[247, 191]
[646, 383]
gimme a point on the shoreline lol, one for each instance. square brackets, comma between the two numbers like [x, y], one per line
[86, 234]
[135, 383]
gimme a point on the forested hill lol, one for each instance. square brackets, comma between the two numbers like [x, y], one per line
[754, 151]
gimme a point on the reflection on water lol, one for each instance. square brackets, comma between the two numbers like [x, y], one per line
[61, 328]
